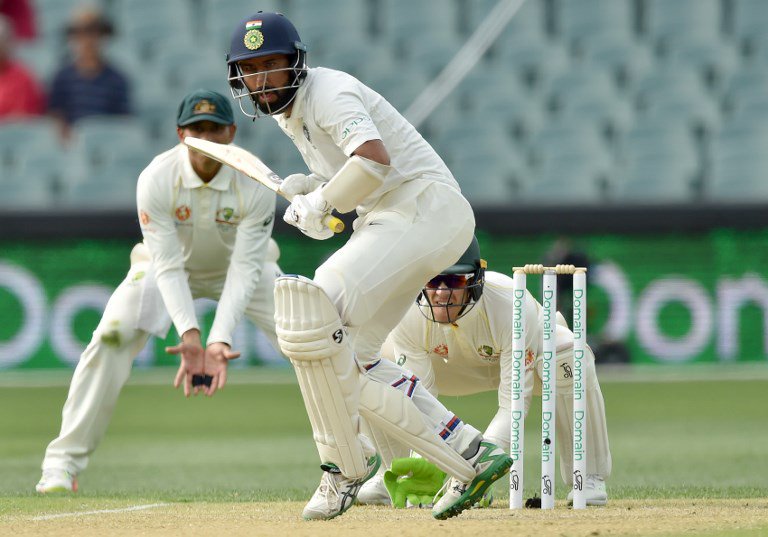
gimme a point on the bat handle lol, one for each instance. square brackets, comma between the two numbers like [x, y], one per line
[333, 223]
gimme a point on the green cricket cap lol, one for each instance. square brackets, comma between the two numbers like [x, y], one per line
[202, 105]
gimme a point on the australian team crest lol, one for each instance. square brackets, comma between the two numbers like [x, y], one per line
[487, 353]
[205, 107]
[253, 37]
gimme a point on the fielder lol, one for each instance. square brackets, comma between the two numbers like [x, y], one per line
[363, 155]
[457, 338]
[206, 235]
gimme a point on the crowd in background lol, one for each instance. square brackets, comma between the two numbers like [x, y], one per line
[86, 84]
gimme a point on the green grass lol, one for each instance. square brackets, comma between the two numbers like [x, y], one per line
[252, 442]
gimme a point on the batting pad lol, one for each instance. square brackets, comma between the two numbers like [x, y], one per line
[390, 412]
[310, 334]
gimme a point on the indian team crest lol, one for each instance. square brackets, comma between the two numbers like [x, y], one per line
[253, 37]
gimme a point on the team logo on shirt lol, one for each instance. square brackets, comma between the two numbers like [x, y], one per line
[143, 218]
[441, 350]
[529, 358]
[183, 213]
[401, 360]
[487, 354]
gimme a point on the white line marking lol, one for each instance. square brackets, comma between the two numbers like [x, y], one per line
[101, 511]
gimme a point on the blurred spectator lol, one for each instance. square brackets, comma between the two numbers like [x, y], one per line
[22, 18]
[20, 94]
[88, 84]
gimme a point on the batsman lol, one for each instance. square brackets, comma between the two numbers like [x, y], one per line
[364, 156]
[457, 338]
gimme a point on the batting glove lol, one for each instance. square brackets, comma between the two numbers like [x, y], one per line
[298, 183]
[414, 480]
[306, 212]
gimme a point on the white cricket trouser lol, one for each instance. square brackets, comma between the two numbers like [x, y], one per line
[412, 235]
[106, 363]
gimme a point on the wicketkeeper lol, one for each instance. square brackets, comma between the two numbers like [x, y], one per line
[457, 339]
[206, 234]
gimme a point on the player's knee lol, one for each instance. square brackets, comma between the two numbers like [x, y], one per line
[307, 324]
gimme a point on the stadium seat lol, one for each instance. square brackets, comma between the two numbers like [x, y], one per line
[739, 178]
[750, 18]
[99, 138]
[696, 110]
[568, 181]
[656, 138]
[535, 61]
[669, 23]
[627, 60]
[714, 61]
[27, 188]
[489, 177]
[149, 26]
[321, 23]
[26, 137]
[405, 23]
[657, 180]
[663, 82]
[102, 192]
[574, 141]
[745, 84]
[578, 21]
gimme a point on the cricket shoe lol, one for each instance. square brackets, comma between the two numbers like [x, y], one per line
[373, 492]
[337, 493]
[490, 463]
[56, 480]
[594, 487]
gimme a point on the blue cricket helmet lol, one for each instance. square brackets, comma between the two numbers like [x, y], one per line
[263, 34]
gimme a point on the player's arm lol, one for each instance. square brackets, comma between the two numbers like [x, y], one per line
[245, 267]
[155, 208]
[343, 116]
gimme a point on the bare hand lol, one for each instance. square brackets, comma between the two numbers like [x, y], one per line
[192, 361]
[217, 357]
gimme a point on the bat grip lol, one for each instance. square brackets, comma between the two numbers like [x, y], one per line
[333, 223]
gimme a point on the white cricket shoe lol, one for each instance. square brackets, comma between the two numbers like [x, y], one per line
[594, 486]
[490, 463]
[56, 480]
[373, 492]
[337, 493]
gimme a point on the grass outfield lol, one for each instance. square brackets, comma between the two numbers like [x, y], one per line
[678, 444]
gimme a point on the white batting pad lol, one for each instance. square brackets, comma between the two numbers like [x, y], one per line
[310, 334]
[389, 411]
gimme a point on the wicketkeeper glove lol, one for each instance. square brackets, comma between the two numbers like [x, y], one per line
[414, 480]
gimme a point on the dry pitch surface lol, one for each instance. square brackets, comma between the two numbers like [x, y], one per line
[748, 517]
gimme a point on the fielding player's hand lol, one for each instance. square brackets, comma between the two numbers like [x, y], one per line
[416, 480]
[192, 360]
[306, 212]
[298, 184]
[217, 356]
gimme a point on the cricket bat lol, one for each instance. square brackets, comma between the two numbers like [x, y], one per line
[246, 162]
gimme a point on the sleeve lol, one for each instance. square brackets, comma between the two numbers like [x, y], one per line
[344, 116]
[163, 243]
[413, 356]
[245, 266]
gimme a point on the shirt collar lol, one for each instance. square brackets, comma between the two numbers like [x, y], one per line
[190, 179]
[297, 110]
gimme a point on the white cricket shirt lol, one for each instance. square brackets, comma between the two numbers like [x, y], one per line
[204, 233]
[334, 113]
